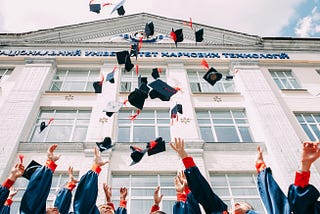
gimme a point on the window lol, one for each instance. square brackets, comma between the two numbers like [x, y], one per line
[232, 188]
[199, 85]
[141, 189]
[318, 71]
[310, 122]
[147, 126]
[59, 179]
[129, 80]
[67, 126]
[75, 80]
[284, 79]
[224, 126]
[5, 73]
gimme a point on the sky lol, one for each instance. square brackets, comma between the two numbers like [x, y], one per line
[265, 18]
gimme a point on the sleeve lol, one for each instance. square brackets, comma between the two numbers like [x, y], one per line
[154, 208]
[192, 205]
[303, 196]
[122, 209]
[5, 209]
[201, 189]
[4, 193]
[35, 197]
[63, 200]
[87, 192]
[274, 200]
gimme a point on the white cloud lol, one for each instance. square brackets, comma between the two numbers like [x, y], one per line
[310, 25]
[258, 17]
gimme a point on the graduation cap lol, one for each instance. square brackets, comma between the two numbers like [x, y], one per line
[155, 73]
[199, 35]
[161, 90]
[105, 144]
[128, 64]
[134, 50]
[97, 86]
[136, 154]
[142, 80]
[121, 57]
[156, 146]
[175, 110]
[119, 8]
[149, 29]
[177, 35]
[95, 8]
[229, 77]
[112, 107]
[138, 96]
[212, 76]
[30, 169]
[43, 124]
[110, 77]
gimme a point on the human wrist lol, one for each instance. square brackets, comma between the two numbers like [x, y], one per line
[305, 167]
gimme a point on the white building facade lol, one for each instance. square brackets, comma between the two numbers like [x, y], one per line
[273, 100]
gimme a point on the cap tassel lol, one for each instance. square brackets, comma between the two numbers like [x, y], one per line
[133, 117]
[205, 64]
[173, 36]
[21, 157]
[137, 70]
[50, 120]
[152, 144]
[140, 44]
[101, 81]
[105, 4]
[189, 24]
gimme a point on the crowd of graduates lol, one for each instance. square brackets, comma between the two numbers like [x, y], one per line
[192, 189]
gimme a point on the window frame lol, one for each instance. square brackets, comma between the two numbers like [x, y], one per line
[290, 79]
[305, 124]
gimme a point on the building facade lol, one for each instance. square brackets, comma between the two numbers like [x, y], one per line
[272, 100]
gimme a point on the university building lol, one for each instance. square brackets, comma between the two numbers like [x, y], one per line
[269, 95]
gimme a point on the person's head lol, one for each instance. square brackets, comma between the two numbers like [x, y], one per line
[52, 210]
[106, 209]
[158, 212]
[241, 207]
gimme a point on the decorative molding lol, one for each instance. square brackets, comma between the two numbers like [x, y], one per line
[185, 120]
[69, 97]
[217, 99]
[103, 120]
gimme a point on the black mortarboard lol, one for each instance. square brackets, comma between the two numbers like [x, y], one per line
[97, 86]
[229, 77]
[155, 73]
[161, 90]
[110, 77]
[43, 125]
[199, 35]
[142, 80]
[149, 29]
[134, 50]
[136, 154]
[128, 64]
[138, 97]
[175, 110]
[212, 76]
[177, 35]
[95, 8]
[156, 146]
[30, 169]
[112, 107]
[121, 57]
[119, 8]
[105, 144]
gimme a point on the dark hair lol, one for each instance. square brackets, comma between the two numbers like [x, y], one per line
[158, 212]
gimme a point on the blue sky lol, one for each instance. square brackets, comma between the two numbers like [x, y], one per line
[275, 18]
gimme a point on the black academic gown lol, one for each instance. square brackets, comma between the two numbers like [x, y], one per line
[274, 200]
[35, 197]
[190, 206]
[63, 200]
[4, 193]
[304, 200]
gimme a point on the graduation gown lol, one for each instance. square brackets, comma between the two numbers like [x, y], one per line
[64, 198]
[274, 200]
[4, 192]
[35, 197]
[303, 196]
[188, 206]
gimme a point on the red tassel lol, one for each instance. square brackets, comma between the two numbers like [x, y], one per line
[173, 36]
[125, 102]
[152, 144]
[205, 64]
[101, 82]
[177, 88]
[133, 117]
[137, 70]
[190, 24]
[21, 156]
[50, 120]
[105, 4]
[91, 2]
[160, 70]
[140, 44]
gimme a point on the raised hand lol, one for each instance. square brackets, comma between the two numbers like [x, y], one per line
[97, 158]
[107, 191]
[178, 146]
[310, 153]
[51, 155]
[71, 178]
[156, 197]
[123, 193]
